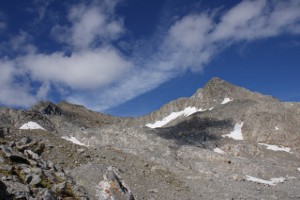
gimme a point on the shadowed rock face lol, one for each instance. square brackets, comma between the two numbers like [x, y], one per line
[223, 142]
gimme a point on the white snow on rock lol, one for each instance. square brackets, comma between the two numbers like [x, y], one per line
[31, 125]
[186, 112]
[276, 148]
[299, 169]
[272, 181]
[226, 100]
[74, 140]
[218, 150]
[276, 128]
[236, 134]
[211, 108]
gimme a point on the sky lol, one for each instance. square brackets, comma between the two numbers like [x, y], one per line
[129, 57]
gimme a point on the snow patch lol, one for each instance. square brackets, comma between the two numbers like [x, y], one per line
[276, 128]
[276, 148]
[211, 108]
[226, 100]
[31, 125]
[272, 181]
[299, 169]
[186, 112]
[218, 150]
[236, 134]
[74, 140]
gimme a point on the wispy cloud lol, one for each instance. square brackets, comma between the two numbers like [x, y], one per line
[3, 24]
[90, 25]
[97, 74]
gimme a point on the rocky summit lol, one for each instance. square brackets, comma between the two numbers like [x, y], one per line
[223, 142]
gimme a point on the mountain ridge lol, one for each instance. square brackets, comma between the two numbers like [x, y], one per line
[223, 142]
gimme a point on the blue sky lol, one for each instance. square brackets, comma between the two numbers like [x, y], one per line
[129, 57]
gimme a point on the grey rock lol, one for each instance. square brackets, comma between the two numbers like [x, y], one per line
[35, 180]
[42, 193]
[6, 150]
[1, 159]
[113, 187]
[80, 150]
[47, 195]
[37, 170]
[60, 188]
[25, 140]
[6, 168]
[26, 170]
[18, 190]
[50, 164]
[31, 155]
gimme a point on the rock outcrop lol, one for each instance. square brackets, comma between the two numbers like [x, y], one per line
[25, 175]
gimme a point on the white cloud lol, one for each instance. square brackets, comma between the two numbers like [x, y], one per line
[190, 32]
[89, 24]
[258, 19]
[12, 93]
[90, 69]
[41, 8]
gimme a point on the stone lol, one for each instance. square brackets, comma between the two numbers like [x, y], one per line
[1, 132]
[35, 180]
[36, 170]
[40, 148]
[25, 140]
[31, 154]
[6, 168]
[26, 170]
[113, 187]
[48, 195]
[60, 188]
[18, 190]
[6, 150]
[1, 159]
[80, 150]
[50, 165]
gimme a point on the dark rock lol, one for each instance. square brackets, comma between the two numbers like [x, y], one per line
[1, 132]
[28, 178]
[3, 192]
[19, 159]
[47, 108]
[39, 149]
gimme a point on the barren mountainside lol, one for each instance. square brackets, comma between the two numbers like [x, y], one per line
[223, 142]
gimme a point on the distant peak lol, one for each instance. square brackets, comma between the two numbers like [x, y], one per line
[216, 81]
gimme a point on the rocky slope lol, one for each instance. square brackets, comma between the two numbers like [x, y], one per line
[224, 142]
